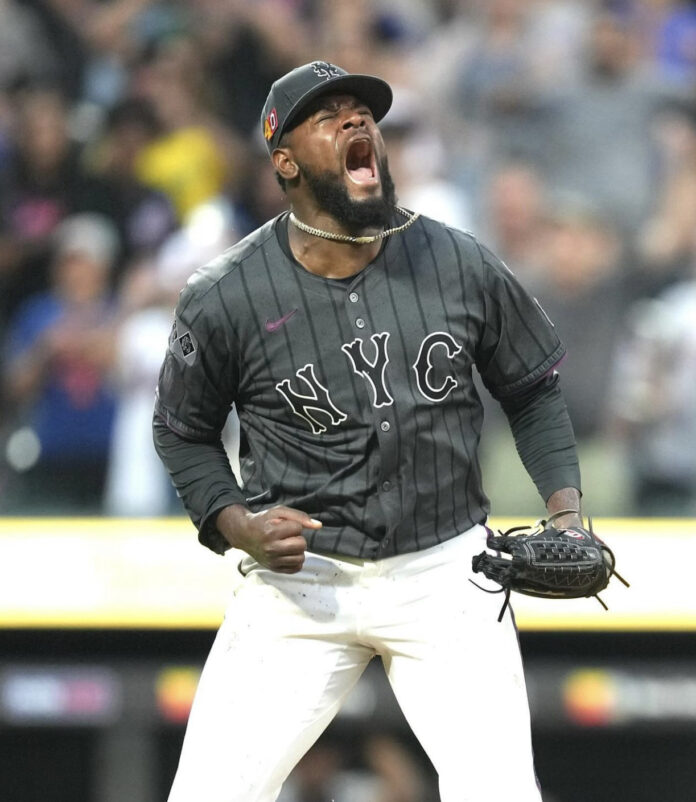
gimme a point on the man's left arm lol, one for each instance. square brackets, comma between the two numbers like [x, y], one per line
[556, 558]
[545, 441]
[516, 357]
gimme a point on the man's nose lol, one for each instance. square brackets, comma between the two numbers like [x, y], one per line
[353, 119]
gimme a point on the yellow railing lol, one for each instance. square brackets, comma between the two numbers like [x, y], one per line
[151, 573]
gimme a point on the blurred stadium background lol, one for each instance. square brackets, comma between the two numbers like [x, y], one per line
[562, 132]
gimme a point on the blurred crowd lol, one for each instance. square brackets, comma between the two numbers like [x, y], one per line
[562, 132]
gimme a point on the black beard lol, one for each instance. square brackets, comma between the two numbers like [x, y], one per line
[332, 196]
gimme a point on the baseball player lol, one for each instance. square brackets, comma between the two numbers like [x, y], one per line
[345, 332]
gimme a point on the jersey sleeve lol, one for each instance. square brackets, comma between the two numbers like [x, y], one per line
[519, 344]
[197, 379]
[196, 389]
[544, 436]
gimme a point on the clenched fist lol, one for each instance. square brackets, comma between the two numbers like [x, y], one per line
[272, 537]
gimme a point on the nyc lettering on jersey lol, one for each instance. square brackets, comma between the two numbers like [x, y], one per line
[315, 404]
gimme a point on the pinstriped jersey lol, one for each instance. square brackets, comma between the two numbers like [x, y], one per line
[355, 397]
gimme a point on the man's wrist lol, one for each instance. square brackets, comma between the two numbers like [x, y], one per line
[231, 522]
[566, 500]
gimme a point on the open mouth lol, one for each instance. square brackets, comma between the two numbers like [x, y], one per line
[360, 162]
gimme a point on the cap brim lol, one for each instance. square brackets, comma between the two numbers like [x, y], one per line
[375, 93]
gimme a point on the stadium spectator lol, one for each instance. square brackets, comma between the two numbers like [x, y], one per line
[137, 484]
[665, 247]
[514, 58]
[247, 45]
[653, 402]
[598, 138]
[43, 183]
[356, 33]
[583, 287]
[194, 157]
[512, 218]
[26, 55]
[145, 217]
[429, 189]
[666, 30]
[60, 351]
[98, 44]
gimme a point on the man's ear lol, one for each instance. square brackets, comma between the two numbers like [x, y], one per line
[284, 164]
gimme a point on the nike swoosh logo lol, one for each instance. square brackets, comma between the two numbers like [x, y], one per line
[274, 325]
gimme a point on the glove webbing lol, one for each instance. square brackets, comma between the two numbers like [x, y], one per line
[543, 523]
[508, 590]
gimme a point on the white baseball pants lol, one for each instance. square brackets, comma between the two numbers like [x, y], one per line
[292, 646]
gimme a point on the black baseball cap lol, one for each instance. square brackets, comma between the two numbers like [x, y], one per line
[290, 94]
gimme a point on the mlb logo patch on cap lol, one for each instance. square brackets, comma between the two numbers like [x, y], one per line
[270, 125]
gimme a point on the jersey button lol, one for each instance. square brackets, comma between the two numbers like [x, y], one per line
[360, 323]
[353, 297]
[385, 426]
[386, 486]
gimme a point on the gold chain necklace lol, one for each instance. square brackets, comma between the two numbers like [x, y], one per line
[317, 232]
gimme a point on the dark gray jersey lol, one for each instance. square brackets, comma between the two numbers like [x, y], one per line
[355, 398]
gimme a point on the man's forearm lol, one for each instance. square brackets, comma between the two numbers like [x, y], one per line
[545, 442]
[203, 478]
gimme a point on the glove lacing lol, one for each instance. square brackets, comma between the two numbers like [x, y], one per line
[543, 523]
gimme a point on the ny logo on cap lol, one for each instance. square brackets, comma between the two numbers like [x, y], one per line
[325, 70]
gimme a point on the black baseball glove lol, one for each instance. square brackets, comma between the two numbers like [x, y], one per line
[548, 562]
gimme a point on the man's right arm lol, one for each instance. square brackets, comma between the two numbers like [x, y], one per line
[196, 389]
[201, 474]
[203, 478]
